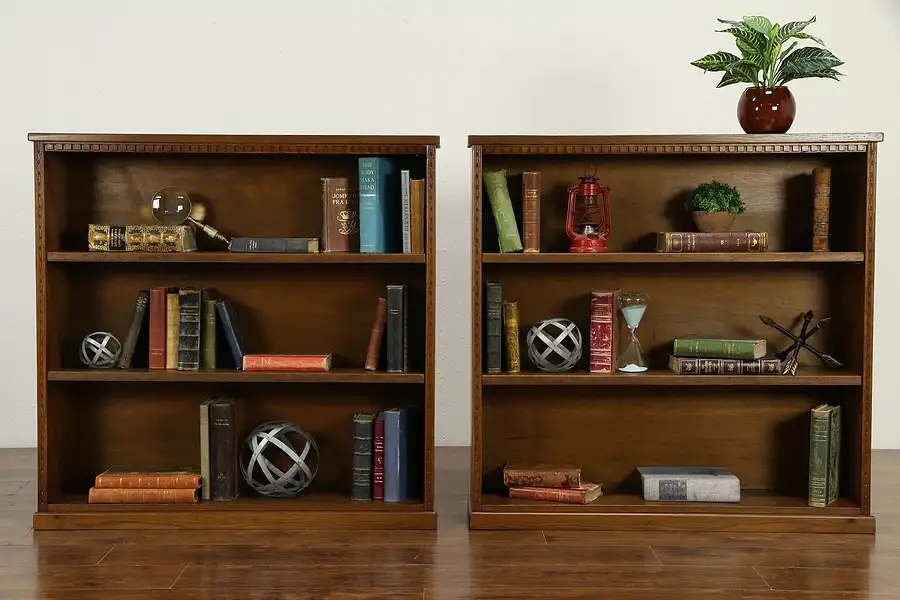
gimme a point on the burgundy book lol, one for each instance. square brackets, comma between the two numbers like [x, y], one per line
[585, 494]
[340, 209]
[531, 210]
[158, 328]
[378, 460]
[730, 241]
[373, 354]
[603, 331]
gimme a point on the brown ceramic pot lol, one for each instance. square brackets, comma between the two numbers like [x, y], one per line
[766, 110]
[716, 222]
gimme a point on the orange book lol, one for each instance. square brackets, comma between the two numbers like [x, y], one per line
[585, 494]
[140, 496]
[287, 362]
[113, 478]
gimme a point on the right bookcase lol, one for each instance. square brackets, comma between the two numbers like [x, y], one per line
[611, 424]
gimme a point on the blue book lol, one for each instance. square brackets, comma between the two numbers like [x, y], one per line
[225, 313]
[379, 205]
[395, 455]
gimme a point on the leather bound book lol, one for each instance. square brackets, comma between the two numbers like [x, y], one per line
[824, 454]
[376, 338]
[531, 210]
[134, 331]
[141, 496]
[501, 207]
[340, 209]
[115, 478]
[286, 362]
[406, 214]
[417, 214]
[511, 327]
[173, 328]
[158, 328]
[724, 366]
[208, 335]
[821, 207]
[275, 245]
[603, 331]
[691, 242]
[229, 326]
[106, 238]
[363, 434]
[395, 455]
[585, 494]
[223, 459]
[204, 449]
[189, 306]
[493, 326]
[719, 347]
[395, 330]
[378, 458]
[541, 476]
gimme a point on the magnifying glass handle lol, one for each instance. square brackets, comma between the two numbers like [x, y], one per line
[210, 231]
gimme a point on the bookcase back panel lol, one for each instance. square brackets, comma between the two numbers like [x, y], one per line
[244, 195]
[284, 308]
[762, 436]
[695, 299]
[151, 428]
[647, 195]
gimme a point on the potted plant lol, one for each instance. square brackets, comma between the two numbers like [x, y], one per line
[713, 206]
[768, 106]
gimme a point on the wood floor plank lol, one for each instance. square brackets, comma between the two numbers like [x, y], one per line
[51, 556]
[384, 556]
[264, 594]
[61, 578]
[542, 593]
[825, 555]
[583, 556]
[879, 581]
[406, 578]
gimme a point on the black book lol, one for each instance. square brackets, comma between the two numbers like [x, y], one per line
[363, 434]
[397, 354]
[222, 456]
[228, 325]
[138, 319]
[493, 326]
[280, 245]
[189, 308]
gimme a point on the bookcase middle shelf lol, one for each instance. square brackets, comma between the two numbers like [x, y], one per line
[339, 375]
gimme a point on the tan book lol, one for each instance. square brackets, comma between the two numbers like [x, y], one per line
[511, 333]
[170, 479]
[141, 496]
[173, 329]
[546, 476]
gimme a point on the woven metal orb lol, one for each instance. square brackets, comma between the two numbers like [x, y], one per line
[100, 350]
[276, 459]
[554, 345]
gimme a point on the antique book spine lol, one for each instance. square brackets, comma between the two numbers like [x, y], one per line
[158, 328]
[695, 347]
[821, 207]
[543, 477]
[397, 355]
[691, 488]
[204, 449]
[379, 219]
[229, 326]
[189, 305]
[584, 494]
[417, 214]
[824, 455]
[376, 337]
[160, 238]
[173, 327]
[603, 334]
[106, 238]
[134, 331]
[493, 326]
[724, 366]
[501, 207]
[223, 467]
[208, 336]
[395, 455]
[286, 362]
[511, 326]
[834, 456]
[141, 496]
[405, 203]
[378, 459]
[691, 242]
[363, 433]
[158, 481]
[531, 210]
[275, 245]
[340, 209]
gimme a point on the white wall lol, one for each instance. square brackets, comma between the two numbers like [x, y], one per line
[412, 66]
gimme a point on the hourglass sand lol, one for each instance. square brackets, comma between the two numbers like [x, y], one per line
[631, 359]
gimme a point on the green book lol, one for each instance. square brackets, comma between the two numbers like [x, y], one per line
[824, 455]
[718, 347]
[208, 336]
[501, 206]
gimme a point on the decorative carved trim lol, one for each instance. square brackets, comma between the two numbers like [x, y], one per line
[868, 346]
[239, 148]
[475, 487]
[674, 148]
[40, 250]
[430, 277]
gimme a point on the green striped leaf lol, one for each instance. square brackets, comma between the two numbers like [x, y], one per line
[789, 30]
[821, 74]
[730, 78]
[717, 61]
[806, 60]
[760, 24]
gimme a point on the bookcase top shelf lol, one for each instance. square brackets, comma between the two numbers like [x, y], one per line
[662, 257]
[232, 257]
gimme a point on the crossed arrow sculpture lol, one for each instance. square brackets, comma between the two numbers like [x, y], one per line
[789, 365]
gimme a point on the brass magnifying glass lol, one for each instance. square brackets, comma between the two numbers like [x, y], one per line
[172, 206]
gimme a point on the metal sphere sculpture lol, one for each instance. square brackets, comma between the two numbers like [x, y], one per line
[276, 459]
[554, 345]
[100, 350]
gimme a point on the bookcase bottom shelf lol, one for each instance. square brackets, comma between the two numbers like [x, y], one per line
[758, 511]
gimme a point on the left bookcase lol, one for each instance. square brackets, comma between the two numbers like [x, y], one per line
[253, 186]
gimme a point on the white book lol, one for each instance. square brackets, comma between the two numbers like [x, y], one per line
[690, 484]
[407, 219]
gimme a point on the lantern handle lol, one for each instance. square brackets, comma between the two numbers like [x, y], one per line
[607, 218]
[570, 213]
[593, 174]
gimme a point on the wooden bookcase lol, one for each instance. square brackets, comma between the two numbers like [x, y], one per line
[252, 185]
[611, 424]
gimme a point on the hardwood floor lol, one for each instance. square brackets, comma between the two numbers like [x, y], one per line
[450, 563]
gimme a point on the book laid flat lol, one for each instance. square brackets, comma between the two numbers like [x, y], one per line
[141, 496]
[719, 347]
[603, 331]
[118, 478]
[541, 476]
[824, 455]
[501, 207]
[724, 366]
[286, 362]
[141, 238]
[732, 241]
[511, 327]
[376, 337]
[276, 245]
[363, 442]
[584, 494]
[340, 208]
[531, 211]
[690, 484]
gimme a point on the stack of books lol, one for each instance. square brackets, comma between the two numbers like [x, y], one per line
[386, 455]
[121, 486]
[693, 355]
[550, 484]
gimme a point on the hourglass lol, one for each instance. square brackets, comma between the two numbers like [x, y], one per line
[631, 359]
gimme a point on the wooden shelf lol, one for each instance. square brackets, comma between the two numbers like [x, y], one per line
[232, 258]
[234, 376]
[804, 377]
[303, 502]
[662, 257]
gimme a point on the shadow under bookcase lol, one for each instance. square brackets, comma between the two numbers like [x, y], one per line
[252, 186]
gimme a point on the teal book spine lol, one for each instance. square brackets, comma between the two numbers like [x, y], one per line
[379, 208]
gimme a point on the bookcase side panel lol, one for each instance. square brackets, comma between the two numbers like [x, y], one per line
[430, 320]
[476, 347]
[41, 301]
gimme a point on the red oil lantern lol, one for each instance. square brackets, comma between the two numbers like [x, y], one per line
[588, 220]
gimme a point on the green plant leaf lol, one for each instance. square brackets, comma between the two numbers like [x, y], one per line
[806, 60]
[789, 30]
[787, 51]
[821, 74]
[717, 61]
[806, 36]
[739, 24]
[746, 69]
[729, 79]
[760, 24]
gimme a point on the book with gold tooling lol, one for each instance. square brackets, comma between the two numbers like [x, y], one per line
[511, 333]
[141, 238]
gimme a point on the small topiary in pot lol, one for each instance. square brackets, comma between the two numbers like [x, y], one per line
[713, 206]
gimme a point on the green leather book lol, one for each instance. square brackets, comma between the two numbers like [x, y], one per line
[208, 334]
[501, 206]
[718, 347]
[824, 455]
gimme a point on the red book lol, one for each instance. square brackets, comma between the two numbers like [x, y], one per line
[287, 362]
[603, 334]
[373, 354]
[587, 493]
[158, 328]
[378, 462]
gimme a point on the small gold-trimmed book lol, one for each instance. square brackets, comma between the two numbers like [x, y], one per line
[692, 242]
[141, 238]
[724, 366]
